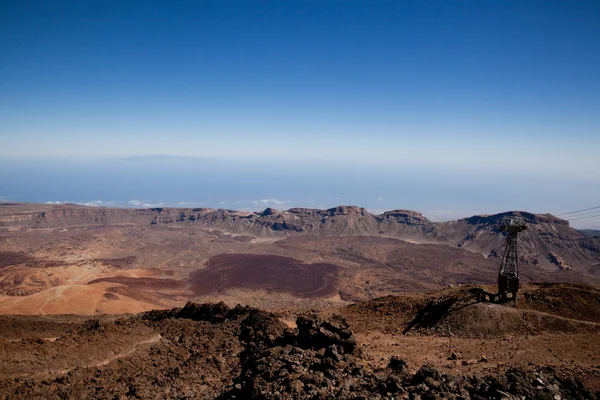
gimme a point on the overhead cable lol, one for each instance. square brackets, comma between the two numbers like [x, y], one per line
[578, 211]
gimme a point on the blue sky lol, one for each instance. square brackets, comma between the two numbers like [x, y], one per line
[498, 87]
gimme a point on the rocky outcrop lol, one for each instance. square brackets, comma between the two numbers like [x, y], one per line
[212, 351]
[545, 234]
[346, 210]
[558, 261]
[529, 218]
[320, 360]
[404, 216]
[269, 211]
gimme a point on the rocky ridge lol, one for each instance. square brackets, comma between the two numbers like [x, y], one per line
[213, 351]
[547, 237]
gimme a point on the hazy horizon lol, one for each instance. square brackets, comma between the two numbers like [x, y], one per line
[161, 181]
[450, 108]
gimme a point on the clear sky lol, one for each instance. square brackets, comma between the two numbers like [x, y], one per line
[444, 85]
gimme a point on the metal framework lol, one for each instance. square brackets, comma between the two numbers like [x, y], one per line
[508, 276]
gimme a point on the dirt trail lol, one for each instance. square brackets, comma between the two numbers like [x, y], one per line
[551, 315]
[215, 351]
[57, 295]
[106, 361]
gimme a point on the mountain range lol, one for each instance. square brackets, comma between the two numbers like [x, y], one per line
[548, 242]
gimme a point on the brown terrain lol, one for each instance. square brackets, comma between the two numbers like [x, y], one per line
[337, 303]
[93, 260]
[446, 344]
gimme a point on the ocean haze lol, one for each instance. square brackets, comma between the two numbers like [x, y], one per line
[160, 181]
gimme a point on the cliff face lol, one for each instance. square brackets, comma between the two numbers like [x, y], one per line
[341, 220]
[73, 217]
[546, 235]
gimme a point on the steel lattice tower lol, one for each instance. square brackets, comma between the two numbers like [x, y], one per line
[508, 276]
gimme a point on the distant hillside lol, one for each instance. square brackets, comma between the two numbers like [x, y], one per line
[548, 242]
[590, 232]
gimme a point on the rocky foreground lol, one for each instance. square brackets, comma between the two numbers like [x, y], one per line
[211, 351]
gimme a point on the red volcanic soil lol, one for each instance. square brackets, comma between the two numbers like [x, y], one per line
[143, 283]
[8, 258]
[122, 263]
[273, 273]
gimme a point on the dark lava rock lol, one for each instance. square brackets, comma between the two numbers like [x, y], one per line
[426, 371]
[318, 334]
[210, 312]
[269, 211]
[397, 364]
[320, 360]
[209, 351]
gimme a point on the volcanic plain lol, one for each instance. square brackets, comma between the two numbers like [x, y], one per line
[58, 259]
[302, 303]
